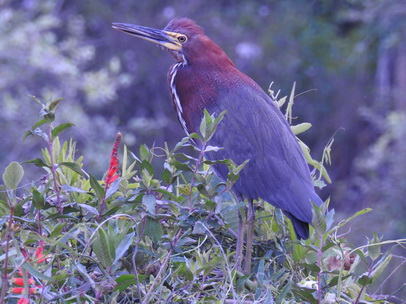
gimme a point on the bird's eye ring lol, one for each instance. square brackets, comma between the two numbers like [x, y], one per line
[182, 39]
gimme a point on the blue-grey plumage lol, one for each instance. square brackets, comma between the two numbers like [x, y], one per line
[253, 129]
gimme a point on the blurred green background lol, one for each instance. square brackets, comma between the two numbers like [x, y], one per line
[352, 51]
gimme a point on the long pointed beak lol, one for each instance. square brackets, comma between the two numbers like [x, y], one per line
[161, 37]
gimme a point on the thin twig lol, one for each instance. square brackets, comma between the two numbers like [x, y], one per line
[363, 287]
[192, 181]
[8, 237]
[319, 255]
[161, 270]
[53, 170]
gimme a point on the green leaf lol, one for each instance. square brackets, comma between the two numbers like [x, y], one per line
[365, 280]
[85, 273]
[37, 162]
[98, 190]
[300, 128]
[183, 270]
[205, 123]
[282, 295]
[68, 188]
[125, 281]
[167, 177]
[75, 167]
[199, 228]
[53, 104]
[374, 251]
[89, 208]
[153, 229]
[318, 219]
[212, 149]
[57, 130]
[180, 166]
[144, 153]
[28, 133]
[113, 188]
[361, 212]
[147, 166]
[56, 233]
[125, 243]
[37, 199]
[149, 202]
[195, 136]
[38, 124]
[103, 247]
[12, 175]
[380, 267]
[36, 273]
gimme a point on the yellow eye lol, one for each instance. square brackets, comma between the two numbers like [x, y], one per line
[182, 39]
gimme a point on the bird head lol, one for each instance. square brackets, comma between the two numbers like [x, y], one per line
[177, 37]
[184, 39]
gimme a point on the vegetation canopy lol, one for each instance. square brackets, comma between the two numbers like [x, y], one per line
[144, 234]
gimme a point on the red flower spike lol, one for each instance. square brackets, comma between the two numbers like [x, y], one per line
[17, 290]
[112, 174]
[20, 281]
[20, 290]
[38, 253]
[23, 301]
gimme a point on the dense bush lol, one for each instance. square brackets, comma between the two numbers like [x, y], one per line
[138, 235]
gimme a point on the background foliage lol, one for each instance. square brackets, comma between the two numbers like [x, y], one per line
[139, 236]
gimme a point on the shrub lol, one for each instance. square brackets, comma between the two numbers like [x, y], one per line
[165, 235]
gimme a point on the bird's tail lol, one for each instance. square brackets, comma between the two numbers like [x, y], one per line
[301, 228]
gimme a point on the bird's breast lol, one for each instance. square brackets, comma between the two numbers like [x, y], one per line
[191, 92]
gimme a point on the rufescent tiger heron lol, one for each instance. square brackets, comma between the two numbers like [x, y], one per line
[253, 128]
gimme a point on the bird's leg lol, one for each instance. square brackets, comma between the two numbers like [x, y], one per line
[240, 241]
[250, 236]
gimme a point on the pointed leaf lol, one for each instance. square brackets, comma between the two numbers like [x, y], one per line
[38, 124]
[144, 153]
[37, 199]
[36, 273]
[57, 130]
[125, 281]
[318, 219]
[167, 177]
[374, 251]
[37, 162]
[123, 246]
[153, 229]
[53, 104]
[68, 188]
[113, 188]
[380, 267]
[98, 190]
[89, 208]
[75, 167]
[103, 248]
[149, 202]
[300, 128]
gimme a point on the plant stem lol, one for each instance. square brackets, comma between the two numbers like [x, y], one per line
[250, 236]
[5, 271]
[53, 170]
[102, 204]
[319, 255]
[161, 270]
[363, 286]
[192, 181]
